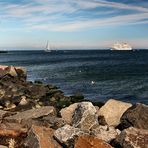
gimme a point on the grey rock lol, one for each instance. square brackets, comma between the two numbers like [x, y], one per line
[112, 111]
[2, 114]
[85, 116]
[133, 138]
[21, 72]
[31, 114]
[52, 121]
[66, 135]
[37, 91]
[106, 133]
[2, 92]
[7, 103]
[136, 116]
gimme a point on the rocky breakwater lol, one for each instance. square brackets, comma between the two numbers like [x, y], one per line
[34, 115]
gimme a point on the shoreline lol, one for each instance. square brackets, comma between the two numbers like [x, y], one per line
[29, 110]
[124, 79]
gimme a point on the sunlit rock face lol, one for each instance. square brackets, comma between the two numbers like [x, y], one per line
[20, 72]
[112, 111]
[88, 141]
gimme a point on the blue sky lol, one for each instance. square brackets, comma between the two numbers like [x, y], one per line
[73, 23]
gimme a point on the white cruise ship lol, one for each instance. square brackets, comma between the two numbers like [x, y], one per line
[121, 46]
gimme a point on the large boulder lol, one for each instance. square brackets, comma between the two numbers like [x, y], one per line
[113, 110]
[21, 72]
[41, 137]
[68, 112]
[87, 141]
[31, 114]
[12, 71]
[67, 134]
[136, 116]
[85, 116]
[106, 133]
[133, 138]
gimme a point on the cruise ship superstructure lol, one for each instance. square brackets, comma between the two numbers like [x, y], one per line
[121, 46]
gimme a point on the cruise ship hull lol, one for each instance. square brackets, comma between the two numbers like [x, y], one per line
[121, 48]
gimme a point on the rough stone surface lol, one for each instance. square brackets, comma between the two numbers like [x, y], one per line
[2, 114]
[23, 101]
[85, 116]
[11, 71]
[113, 110]
[105, 133]
[136, 116]
[2, 92]
[52, 121]
[3, 146]
[13, 88]
[32, 114]
[41, 137]
[10, 131]
[66, 135]
[2, 73]
[68, 112]
[21, 72]
[133, 138]
[90, 142]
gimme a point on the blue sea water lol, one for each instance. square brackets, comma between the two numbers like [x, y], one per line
[97, 74]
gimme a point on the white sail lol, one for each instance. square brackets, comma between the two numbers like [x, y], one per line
[48, 48]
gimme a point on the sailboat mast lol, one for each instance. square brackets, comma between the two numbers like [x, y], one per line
[47, 46]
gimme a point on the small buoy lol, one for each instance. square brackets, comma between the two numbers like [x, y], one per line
[92, 82]
[80, 71]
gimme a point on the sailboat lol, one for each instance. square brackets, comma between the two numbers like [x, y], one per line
[48, 48]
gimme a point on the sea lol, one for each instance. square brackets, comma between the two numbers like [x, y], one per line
[97, 74]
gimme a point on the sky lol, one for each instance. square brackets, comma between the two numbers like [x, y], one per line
[73, 24]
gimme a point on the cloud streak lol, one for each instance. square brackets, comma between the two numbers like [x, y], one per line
[65, 15]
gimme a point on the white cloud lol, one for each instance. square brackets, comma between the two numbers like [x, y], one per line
[117, 20]
[53, 15]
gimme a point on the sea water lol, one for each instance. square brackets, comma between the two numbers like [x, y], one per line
[97, 74]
